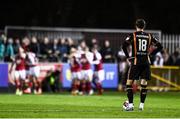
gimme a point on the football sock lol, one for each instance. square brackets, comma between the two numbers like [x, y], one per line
[99, 87]
[73, 86]
[88, 86]
[129, 93]
[17, 84]
[143, 93]
[21, 85]
[30, 84]
[77, 86]
[39, 85]
[83, 86]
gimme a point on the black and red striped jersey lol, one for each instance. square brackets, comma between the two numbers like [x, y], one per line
[140, 42]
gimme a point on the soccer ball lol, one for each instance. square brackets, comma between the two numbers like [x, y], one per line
[125, 104]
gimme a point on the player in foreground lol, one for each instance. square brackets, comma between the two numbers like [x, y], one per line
[140, 61]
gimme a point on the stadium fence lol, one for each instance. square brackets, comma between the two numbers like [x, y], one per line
[171, 42]
[115, 36]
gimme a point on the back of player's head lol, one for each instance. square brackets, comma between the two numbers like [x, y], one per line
[140, 23]
[73, 49]
[21, 50]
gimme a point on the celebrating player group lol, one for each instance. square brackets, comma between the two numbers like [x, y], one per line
[81, 60]
[25, 72]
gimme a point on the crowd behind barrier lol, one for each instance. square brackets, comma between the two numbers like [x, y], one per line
[58, 50]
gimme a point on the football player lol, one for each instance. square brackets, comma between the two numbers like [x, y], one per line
[140, 61]
[34, 71]
[20, 73]
[98, 70]
[87, 73]
[75, 66]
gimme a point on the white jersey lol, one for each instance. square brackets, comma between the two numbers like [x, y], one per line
[34, 69]
[96, 58]
[86, 61]
[98, 67]
[88, 56]
[32, 58]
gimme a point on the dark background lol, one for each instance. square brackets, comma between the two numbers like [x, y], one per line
[161, 14]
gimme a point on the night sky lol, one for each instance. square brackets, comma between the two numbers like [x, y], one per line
[119, 14]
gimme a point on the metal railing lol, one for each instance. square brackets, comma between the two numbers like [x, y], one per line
[165, 78]
[171, 42]
[115, 36]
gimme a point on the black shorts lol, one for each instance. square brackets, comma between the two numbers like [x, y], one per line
[139, 71]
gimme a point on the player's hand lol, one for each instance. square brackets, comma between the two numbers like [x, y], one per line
[10, 71]
[83, 60]
[130, 59]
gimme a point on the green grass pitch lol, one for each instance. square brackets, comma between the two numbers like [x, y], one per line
[158, 105]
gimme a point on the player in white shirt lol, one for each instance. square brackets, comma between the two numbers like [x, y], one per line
[87, 73]
[19, 73]
[34, 71]
[98, 70]
[75, 67]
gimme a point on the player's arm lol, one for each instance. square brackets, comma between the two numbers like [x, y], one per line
[36, 60]
[89, 58]
[78, 58]
[157, 44]
[125, 45]
[71, 59]
[12, 65]
[27, 61]
[97, 61]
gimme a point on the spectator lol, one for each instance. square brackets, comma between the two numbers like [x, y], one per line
[34, 46]
[25, 43]
[107, 53]
[70, 44]
[56, 53]
[93, 42]
[16, 45]
[64, 50]
[9, 52]
[2, 49]
[173, 58]
[165, 56]
[82, 45]
[97, 47]
[177, 62]
[45, 49]
[55, 45]
[159, 61]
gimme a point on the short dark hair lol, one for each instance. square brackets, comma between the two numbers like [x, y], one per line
[140, 23]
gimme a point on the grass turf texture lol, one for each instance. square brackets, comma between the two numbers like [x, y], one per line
[165, 104]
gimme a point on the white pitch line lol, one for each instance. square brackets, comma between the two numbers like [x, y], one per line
[90, 118]
[61, 110]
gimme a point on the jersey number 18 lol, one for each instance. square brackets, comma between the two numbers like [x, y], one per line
[142, 44]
